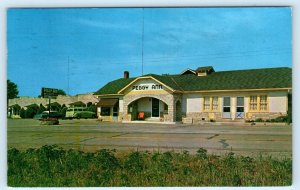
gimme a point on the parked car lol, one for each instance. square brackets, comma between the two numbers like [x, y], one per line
[79, 112]
[45, 114]
[40, 116]
[57, 115]
[85, 115]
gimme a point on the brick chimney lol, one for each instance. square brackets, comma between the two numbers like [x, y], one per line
[126, 74]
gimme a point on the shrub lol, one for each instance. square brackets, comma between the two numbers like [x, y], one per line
[134, 162]
[202, 153]
[41, 109]
[63, 111]
[22, 113]
[106, 159]
[259, 120]
[281, 119]
[31, 111]
[52, 166]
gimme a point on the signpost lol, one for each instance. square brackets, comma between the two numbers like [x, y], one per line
[48, 93]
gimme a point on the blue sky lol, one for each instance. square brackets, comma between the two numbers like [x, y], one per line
[101, 43]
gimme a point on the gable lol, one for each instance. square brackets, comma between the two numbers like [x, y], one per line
[146, 86]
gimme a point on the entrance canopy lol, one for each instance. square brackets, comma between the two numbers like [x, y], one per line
[108, 102]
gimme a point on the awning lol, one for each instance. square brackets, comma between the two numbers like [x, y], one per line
[107, 102]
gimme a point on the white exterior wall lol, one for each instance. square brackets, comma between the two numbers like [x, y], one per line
[192, 103]
[278, 102]
[144, 104]
[121, 105]
[246, 103]
[233, 107]
[98, 111]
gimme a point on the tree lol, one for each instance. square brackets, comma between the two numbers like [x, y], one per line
[31, 110]
[12, 90]
[22, 113]
[61, 92]
[41, 109]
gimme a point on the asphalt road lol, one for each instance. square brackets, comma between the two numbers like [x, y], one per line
[92, 135]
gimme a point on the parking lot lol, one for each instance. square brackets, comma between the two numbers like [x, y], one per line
[92, 135]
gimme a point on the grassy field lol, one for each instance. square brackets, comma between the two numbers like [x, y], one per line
[52, 166]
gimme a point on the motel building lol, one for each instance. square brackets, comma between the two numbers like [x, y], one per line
[197, 95]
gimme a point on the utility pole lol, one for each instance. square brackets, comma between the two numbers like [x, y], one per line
[49, 106]
[68, 75]
[143, 44]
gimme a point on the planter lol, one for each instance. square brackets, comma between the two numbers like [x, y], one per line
[50, 121]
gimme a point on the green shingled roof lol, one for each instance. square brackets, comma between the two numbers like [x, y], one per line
[114, 86]
[224, 80]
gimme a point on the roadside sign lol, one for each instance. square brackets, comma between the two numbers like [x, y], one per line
[49, 92]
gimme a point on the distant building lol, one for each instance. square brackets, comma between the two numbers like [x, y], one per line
[196, 95]
[60, 100]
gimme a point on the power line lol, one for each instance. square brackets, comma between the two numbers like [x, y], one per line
[143, 44]
[68, 75]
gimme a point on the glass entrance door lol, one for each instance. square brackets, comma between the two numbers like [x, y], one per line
[155, 107]
[226, 108]
[239, 107]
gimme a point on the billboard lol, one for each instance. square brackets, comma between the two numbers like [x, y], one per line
[49, 92]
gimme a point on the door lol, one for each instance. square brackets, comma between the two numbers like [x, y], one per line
[155, 107]
[240, 108]
[226, 108]
[115, 113]
[178, 111]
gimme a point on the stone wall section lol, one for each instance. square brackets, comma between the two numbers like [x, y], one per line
[264, 116]
[169, 99]
[198, 117]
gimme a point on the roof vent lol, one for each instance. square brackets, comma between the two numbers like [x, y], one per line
[204, 71]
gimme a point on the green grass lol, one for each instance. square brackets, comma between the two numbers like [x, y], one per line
[52, 166]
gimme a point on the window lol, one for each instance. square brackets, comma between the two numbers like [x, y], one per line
[263, 103]
[105, 111]
[210, 103]
[206, 103]
[166, 107]
[253, 102]
[258, 103]
[214, 103]
[239, 104]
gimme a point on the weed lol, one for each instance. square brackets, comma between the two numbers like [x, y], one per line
[106, 159]
[134, 163]
[202, 153]
[51, 166]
